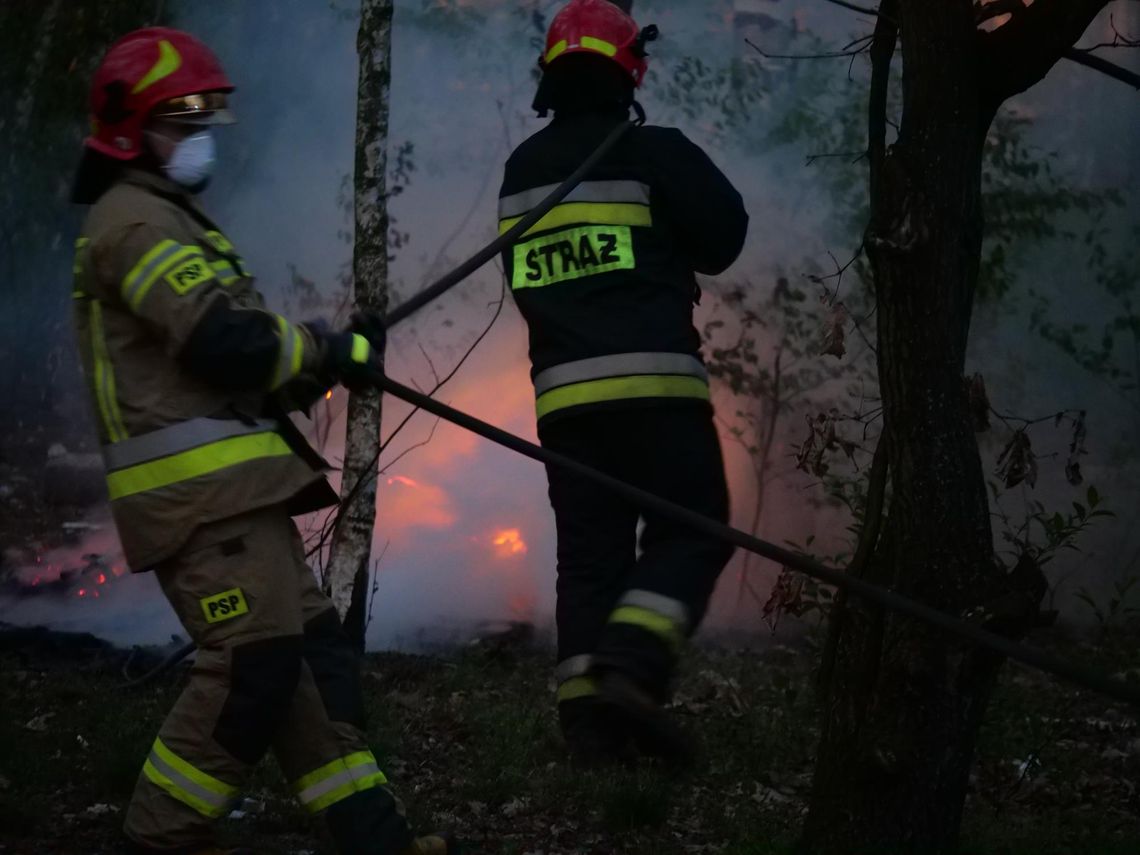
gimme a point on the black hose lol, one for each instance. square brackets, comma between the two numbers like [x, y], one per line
[453, 278]
[1032, 656]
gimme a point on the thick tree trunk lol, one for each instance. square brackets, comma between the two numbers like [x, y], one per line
[347, 578]
[904, 704]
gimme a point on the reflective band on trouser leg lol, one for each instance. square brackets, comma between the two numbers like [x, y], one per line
[193, 787]
[104, 377]
[290, 353]
[619, 388]
[577, 687]
[196, 462]
[360, 349]
[338, 780]
[663, 616]
[573, 678]
[170, 259]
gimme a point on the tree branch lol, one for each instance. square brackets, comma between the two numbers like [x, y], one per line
[882, 51]
[1020, 53]
[1116, 72]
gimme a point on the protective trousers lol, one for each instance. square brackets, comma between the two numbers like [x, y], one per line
[617, 609]
[274, 670]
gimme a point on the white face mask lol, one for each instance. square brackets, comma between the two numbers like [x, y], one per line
[192, 162]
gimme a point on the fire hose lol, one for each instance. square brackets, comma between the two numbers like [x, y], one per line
[886, 598]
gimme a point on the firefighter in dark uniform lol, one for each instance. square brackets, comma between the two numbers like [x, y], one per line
[191, 377]
[606, 284]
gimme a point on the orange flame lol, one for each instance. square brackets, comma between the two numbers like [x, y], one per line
[508, 542]
[328, 395]
[400, 479]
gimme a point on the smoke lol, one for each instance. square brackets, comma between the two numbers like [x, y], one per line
[464, 529]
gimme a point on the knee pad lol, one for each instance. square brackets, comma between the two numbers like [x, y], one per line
[263, 679]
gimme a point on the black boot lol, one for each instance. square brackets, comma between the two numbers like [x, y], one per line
[654, 732]
[596, 733]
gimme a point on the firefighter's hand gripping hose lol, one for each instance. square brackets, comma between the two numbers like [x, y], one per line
[888, 599]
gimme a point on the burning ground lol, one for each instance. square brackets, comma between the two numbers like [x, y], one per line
[469, 740]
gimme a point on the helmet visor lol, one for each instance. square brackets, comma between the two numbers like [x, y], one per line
[201, 108]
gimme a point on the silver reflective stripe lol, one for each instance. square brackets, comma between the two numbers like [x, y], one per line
[176, 438]
[183, 783]
[354, 773]
[588, 191]
[618, 365]
[667, 607]
[574, 666]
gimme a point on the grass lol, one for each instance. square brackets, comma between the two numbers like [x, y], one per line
[470, 742]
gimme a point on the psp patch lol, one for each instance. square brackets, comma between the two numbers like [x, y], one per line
[224, 606]
[189, 274]
[572, 254]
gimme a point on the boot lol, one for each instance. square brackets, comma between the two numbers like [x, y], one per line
[596, 734]
[654, 732]
[433, 844]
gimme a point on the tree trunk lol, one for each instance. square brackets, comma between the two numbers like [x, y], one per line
[348, 570]
[904, 704]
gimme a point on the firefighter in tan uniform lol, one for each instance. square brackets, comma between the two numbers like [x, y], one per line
[191, 378]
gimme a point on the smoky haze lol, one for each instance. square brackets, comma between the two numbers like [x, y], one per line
[464, 528]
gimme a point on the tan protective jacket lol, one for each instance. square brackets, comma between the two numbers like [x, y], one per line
[179, 452]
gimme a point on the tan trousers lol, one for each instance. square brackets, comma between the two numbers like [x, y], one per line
[274, 670]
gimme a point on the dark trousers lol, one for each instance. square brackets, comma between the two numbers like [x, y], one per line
[673, 452]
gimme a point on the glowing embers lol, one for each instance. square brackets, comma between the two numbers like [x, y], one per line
[508, 542]
[83, 577]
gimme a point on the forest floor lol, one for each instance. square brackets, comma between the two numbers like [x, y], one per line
[469, 741]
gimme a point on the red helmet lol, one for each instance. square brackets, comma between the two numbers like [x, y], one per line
[155, 67]
[599, 27]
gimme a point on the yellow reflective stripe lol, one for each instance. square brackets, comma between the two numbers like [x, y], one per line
[174, 791]
[200, 778]
[602, 213]
[219, 241]
[360, 349]
[290, 354]
[195, 463]
[557, 50]
[160, 260]
[169, 61]
[339, 779]
[225, 272]
[599, 45]
[619, 388]
[80, 243]
[577, 687]
[104, 378]
[571, 254]
[659, 625]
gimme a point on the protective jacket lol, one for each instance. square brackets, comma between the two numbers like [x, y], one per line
[605, 281]
[190, 374]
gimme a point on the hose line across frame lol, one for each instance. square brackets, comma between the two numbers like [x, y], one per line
[954, 626]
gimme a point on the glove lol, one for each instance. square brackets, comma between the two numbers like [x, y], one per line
[351, 359]
[371, 326]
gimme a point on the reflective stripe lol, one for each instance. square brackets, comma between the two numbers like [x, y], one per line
[339, 779]
[360, 349]
[572, 254]
[617, 365]
[203, 460]
[219, 242]
[577, 687]
[633, 192]
[574, 213]
[80, 244]
[289, 354]
[225, 272]
[574, 666]
[104, 379]
[619, 388]
[161, 259]
[183, 436]
[600, 45]
[557, 50]
[206, 794]
[664, 628]
[667, 607]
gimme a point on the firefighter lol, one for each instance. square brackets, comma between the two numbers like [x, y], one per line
[606, 284]
[191, 378]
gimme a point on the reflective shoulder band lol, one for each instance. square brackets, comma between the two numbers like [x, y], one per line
[290, 353]
[361, 349]
[162, 259]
